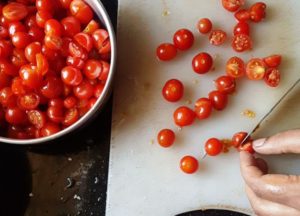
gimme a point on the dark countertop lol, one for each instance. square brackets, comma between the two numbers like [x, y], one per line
[64, 178]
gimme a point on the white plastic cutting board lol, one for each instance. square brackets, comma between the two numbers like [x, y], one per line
[144, 179]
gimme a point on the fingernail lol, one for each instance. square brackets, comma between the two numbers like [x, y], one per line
[259, 143]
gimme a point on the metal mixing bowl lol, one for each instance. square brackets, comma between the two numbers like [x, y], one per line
[101, 13]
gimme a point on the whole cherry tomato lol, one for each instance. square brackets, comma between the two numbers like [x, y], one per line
[202, 63]
[93, 69]
[71, 76]
[173, 90]
[52, 87]
[71, 26]
[45, 5]
[183, 39]
[203, 108]
[184, 116]
[189, 164]
[84, 90]
[21, 39]
[242, 28]
[225, 84]
[53, 27]
[30, 77]
[213, 147]
[219, 99]
[31, 50]
[41, 17]
[232, 5]
[81, 11]
[166, 138]
[14, 27]
[204, 25]
[15, 116]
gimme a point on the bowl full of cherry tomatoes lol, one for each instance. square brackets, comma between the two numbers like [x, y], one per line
[57, 61]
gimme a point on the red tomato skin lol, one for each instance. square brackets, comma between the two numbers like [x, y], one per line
[98, 90]
[81, 11]
[203, 108]
[183, 39]
[84, 90]
[41, 17]
[71, 76]
[238, 138]
[52, 87]
[75, 62]
[173, 90]
[21, 39]
[272, 77]
[184, 116]
[166, 52]
[189, 164]
[217, 37]
[258, 12]
[6, 49]
[213, 147]
[71, 116]
[14, 27]
[15, 116]
[273, 61]
[204, 25]
[219, 100]
[225, 84]
[247, 147]
[232, 5]
[202, 63]
[242, 15]
[71, 26]
[84, 40]
[49, 129]
[242, 28]
[37, 34]
[166, 138]
[93, 69]
[14, 11]
[53, 27]
[31, 50]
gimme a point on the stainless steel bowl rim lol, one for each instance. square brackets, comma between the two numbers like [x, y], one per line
[100, 11]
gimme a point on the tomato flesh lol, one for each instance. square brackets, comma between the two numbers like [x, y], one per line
[241, 43]
[258, 11]
[256, 69]
[272, 77]
[235, 67]
[232, 5]
[217, 37]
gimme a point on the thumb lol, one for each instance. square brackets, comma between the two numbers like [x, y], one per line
[281, 143]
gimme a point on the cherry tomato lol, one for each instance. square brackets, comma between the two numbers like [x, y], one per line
[77, 51]
[65, 46]
[84, 90]
[29, 101]
[101, 41]
[30, 76]
[37, 118]
[3, 32]
[217, 37]
[15, 116]
[98, 89]
[42, 17]
[258, 11]
[56, 102]
[70, 102]
[45, 5]
[21, 39]
[14, 27]
[248, 147]
[219, 99]
[14, 11]
[6, 49]
[81, 11]
[256, 69]
[232, 5]
[52, 87]
[166, 52]
[235, 67]
[183, 39]
[242, 15]
[241, 43]
[272, 77]
[8, 68]
[53, 42]
[49, 53]
[273, 60]
[213, 147]
[4, 79]
[93, 69]
[55, 114]
[31, 50]
[173, 90]
[7, 97]
[189, 164]
[84, 40]
[203, 108]
[31, 21]
[202, 63]
[225, 84]
[242, 28]
[71, 116]
[71, 76]
[18, 57]
[42, 65]
[53, 27]
[238, 138]
[204, 25]
[166, 138]
[49, 129]
[36, 33]
[91, 27]
[65, 3]
[71, 26]
[184, 116]
[17, 86]
[76, 62]
[105, 71]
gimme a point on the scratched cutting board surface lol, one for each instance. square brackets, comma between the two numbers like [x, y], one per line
[144, 179]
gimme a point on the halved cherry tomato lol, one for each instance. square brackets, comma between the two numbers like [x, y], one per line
[272, 77]
[53, 27]
[235, 67]
[225, 84]
[189, 164]
[70, 102]
[71, 76]
[241, 43]
[204, 25]
[14, 11]
[18, 57]
[53, 42]
[37, 34]
[258, 11]
[184, 116]
[84, 90]
[75, 62]
[105, 71]
[183, 39]
[42, 17]
[21, 39]
[49, 129]
[50, 53]
[18, 87]
[166, 52]
[101, 41]
[71, 26]
[81, 11]
[14, 27]
[273, 60]
[42, 65]
[238, 138]
[248, 147]
[37, 118]
[91, 27]
[29, 101]
[31, 50]
[93, 69]
[55, 114]
[242, 15]
[6, 49]
[98, 89]
[217, 37]
[15, 116]
[173, 90]
[84, 40]
[77, 51]
[8, 68]
[52, 87]
[232, 5]
[219, 99]
[166, 138]
[202, 63]
[203, 108]
[213, 147]
[31, 78]
[256, 69]
[242, 28]
[71, 116]
[7, 97]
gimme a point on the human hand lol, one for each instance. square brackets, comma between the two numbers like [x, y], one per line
[272, 194]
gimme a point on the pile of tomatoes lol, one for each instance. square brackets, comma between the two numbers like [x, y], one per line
[255, 69]
[54, 63]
